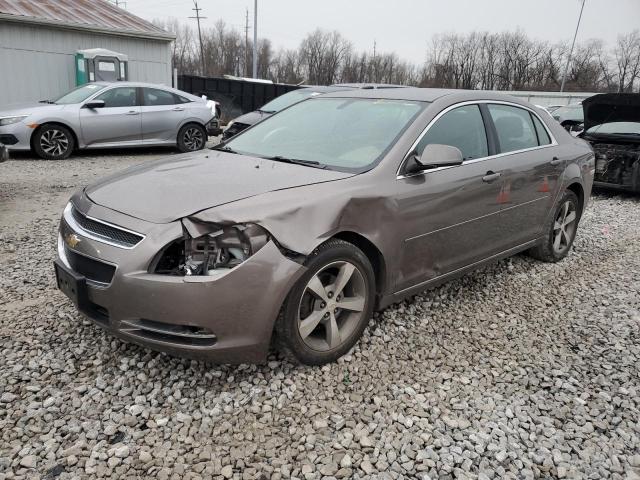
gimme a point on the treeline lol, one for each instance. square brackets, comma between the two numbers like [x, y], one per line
[477, 60]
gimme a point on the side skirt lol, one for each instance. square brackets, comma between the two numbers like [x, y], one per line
[397, 297]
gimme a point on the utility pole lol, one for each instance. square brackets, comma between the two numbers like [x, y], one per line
[246, 45]
[375, 63]
[566, 68]
[198, 18]
[255, 38]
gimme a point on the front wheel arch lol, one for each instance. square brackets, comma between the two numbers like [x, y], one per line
[60, 124]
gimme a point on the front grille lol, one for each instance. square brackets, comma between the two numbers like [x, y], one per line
[106, 232]
[235, 129]
[90, 268]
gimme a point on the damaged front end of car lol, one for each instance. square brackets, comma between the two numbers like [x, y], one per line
[612, 127]
[208, 249]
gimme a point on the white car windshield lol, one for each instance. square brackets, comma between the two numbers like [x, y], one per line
[617, 128]
[347, 134]
[79, 95]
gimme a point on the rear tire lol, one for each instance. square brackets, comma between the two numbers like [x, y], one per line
[53, 142]
[560, 230]
[329, 307]
[192, 137]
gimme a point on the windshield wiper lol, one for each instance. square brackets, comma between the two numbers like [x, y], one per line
[266, 111]
[51, 102]
[296, 161]
[224, 148]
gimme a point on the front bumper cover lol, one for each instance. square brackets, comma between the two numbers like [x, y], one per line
[16, 136]
[236, 310]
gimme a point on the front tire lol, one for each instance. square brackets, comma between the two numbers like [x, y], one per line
[191, 138]
[329, 307]
[560, 230]
[53, 142]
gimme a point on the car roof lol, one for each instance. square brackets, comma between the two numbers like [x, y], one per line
[428, 94]
[133, 84]
[324, 88]
[370, 85]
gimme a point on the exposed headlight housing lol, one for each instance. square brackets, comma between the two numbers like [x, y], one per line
[11, 120]
[224, 248]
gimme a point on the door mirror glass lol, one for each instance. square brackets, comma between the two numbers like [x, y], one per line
[94, 104]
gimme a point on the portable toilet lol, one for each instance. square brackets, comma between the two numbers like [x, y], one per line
[99, 64]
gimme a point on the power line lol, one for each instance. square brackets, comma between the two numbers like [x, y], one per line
[198, 18]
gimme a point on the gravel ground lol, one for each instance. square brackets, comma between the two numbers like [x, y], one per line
[520, 370]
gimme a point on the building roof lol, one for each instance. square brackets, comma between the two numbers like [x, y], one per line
[94, 15]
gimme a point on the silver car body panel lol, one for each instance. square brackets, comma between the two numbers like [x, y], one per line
[109, 127]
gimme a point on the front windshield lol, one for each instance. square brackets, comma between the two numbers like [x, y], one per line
[79, 95]
[345, 134]
[619, 128]
[283, 101]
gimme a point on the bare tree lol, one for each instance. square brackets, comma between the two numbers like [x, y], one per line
[477, 60]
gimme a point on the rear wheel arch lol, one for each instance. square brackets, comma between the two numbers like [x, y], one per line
[576, 188]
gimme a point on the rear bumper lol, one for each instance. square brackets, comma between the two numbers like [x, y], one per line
[228, 318]
[213, 128]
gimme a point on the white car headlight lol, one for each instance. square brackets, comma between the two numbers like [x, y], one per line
[11, 120]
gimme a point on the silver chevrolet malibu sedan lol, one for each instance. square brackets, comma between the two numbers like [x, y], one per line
[294, 231]
[107, 115]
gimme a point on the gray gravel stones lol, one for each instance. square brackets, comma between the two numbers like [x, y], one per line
[521, 370]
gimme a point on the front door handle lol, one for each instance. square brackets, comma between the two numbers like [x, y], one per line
[133, 112]
[555, 161]
[178, 109]
[491, 176]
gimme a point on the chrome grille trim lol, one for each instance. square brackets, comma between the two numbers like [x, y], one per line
[101, 231]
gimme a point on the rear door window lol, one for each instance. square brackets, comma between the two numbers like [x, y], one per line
[461, 127]
[154, 97]
[514, 126]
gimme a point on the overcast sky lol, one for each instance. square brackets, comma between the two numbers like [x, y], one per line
[405, 26]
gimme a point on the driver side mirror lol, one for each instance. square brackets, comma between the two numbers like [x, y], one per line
[94, 104]
[434, 156]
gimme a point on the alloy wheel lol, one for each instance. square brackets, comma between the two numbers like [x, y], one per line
[564, 227]
[54, 142]
[332, 306]
[193, 139]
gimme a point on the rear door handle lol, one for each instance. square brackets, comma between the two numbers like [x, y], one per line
[133, 112]
[178, 109]
[491, 176]
[555, 161]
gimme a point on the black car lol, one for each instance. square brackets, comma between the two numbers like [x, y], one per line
[283, 101]
[612, 127]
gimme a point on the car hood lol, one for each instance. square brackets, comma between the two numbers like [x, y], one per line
[252, 118]
[176, 187]
[27, 108]
[611, 107]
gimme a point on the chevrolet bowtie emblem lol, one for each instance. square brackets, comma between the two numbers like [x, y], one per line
[72, 240]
